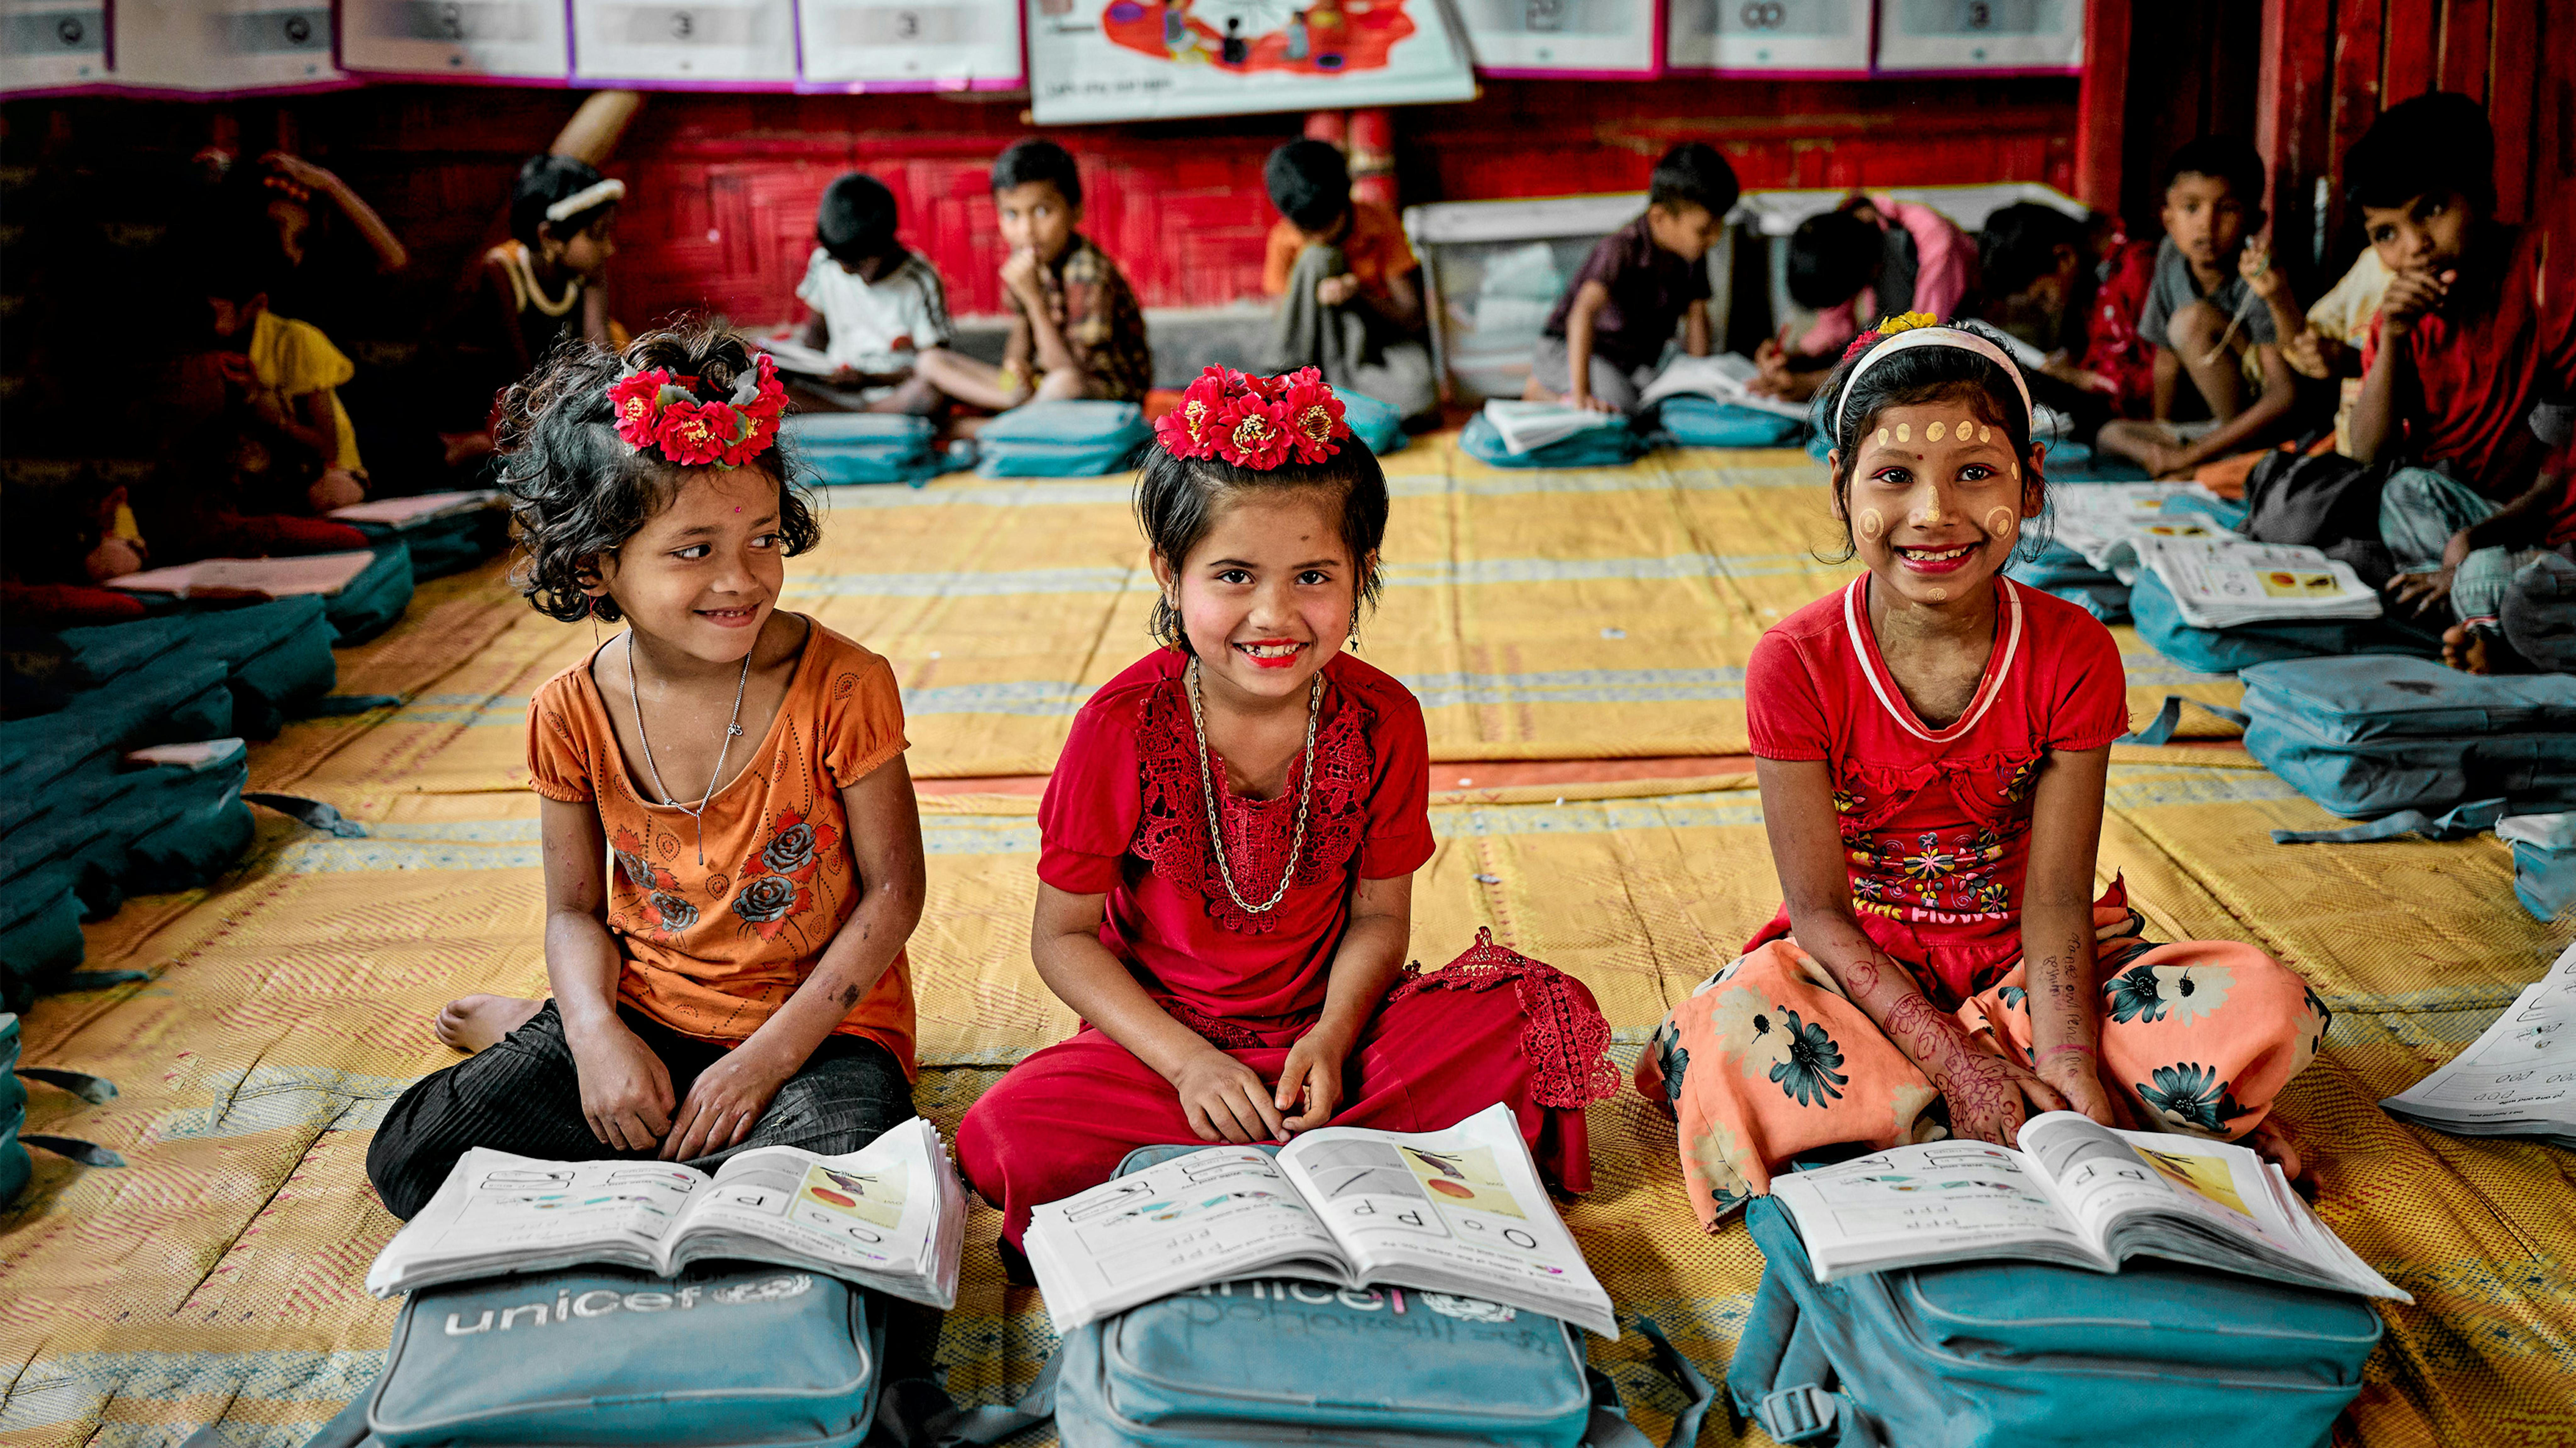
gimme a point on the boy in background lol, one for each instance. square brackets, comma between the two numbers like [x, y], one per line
[1606, 338]
[286, 374]
[2074, 289]
[2211, 315]
[2475, 355]
[1076, 330]
[1350, 302]
[1871, 257]
[875, 305]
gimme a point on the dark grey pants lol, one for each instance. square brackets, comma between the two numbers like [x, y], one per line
[1351, 345]
[523, 1096]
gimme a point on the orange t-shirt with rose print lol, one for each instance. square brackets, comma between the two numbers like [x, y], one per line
[712, 950]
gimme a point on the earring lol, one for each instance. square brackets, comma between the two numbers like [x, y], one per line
[1165, 626]
[1353, 642]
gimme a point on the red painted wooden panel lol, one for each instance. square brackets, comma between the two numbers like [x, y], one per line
[2511, 87]
[2358, 35]
[2102, 103]
[2290, 120]
[2464, 47]
[2413, 49]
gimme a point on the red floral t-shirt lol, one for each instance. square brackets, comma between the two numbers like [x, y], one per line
[1125, 815]
[1936, 822]
[713, 949]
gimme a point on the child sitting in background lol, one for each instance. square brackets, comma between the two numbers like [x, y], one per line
[2476, 331]
[875, 304]
[536, 290]
[285, 372]
[1350, 304]
[67, 535]
[2073, 289]
[1873, 255]
[2212, 316]
[1076, 330]
[736, 978]
[1606, 338]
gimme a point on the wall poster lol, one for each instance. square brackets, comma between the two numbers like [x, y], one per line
[464, 39]
[1916, 35]
[1128, 60]
[1574, 38]
[215, 46]
[685, 42]
[912, 44]
[1812, 37]
[47, 44]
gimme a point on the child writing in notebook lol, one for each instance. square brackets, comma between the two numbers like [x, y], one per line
[1932, 743]
[1227, 849]
[736, 978]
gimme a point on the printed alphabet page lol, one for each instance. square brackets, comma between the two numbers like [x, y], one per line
[841, 1208]
[1465, 1204]
[2522, 1069]
[2102, 1174]
[523, 1214]
[1929, 1202]
[1223, 1212]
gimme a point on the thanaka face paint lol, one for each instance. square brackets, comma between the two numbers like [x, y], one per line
[1872, 523]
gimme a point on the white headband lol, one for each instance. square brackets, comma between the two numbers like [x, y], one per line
[595, 194]
[1930, 337]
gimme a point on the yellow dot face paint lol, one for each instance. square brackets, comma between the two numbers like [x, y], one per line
[1882, 437]
[2000, 520]
[1938, 595]
[1961, 430]
[1872, 523]
[1905, 432]
[1932, 433]
[1985, 434]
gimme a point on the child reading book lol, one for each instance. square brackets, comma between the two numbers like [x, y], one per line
[736, 978]
[1347, 283]
[1227, 848]
[875, 304]
[1607, 336]
[1932, 743]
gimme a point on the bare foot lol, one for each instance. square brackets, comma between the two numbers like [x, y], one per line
[470, 1023]
[2272, 1141]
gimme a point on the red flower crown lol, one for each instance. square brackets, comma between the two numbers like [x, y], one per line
[656, 409]
[1255, 422]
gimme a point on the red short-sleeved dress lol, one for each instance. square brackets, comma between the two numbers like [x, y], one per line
[1126, 816]
[1768, 1058]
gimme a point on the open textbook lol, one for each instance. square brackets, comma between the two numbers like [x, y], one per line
[2077, 1193]
[1727, 378]
[1526, 426]
[794, 356]
[890, 1215]
[2103, 521]
[406, 512]
[2517, 1079]
[1458, 1211]
[2221, 580]
[324, 573]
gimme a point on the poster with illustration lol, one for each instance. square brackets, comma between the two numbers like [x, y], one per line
[216, 46]
[47, 44]
[1561, 37]
[465, 39]
[1810, 37]
[1128, 60]
[1916, 35]
[684, 42]
[897, 45]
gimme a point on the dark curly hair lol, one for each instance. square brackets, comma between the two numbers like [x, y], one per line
[1178, 499]
[1912, 377]
[578, 491]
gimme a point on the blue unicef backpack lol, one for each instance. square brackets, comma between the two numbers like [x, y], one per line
[864, 447]
[1274, 1361]
[1078, 439]
[1691, 420]
[2374, 735]
[726, 1355]
[2028, 1355]
[1371, 421]
[1595, 447]
[2544, 861]
[2224, 651]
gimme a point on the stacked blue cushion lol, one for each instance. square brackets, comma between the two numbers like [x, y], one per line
[2062, 572]
[1616, 445]
[1081, 439]
[2224, 651]
[1695, 421]
[2370, 736]
[2544, 861]
[447, 544]
[15, 1166]
[1371, 421]
[864, 447]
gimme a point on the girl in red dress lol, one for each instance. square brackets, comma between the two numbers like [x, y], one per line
[1932, 743]
[1228, 847]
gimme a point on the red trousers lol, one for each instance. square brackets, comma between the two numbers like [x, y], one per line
[1062, 1120]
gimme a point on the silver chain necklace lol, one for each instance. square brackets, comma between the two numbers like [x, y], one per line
[1207, 791]
[733, 730]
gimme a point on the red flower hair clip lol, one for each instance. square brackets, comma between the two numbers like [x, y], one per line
[656, 409]
[1255, 422]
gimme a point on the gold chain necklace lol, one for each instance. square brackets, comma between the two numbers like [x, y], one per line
[733, 731]
[1207, 791]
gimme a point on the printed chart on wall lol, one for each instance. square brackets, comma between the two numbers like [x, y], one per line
[900, 45]
[684, 42]
[1980, 35]
[467, 39]
[1800, 36]
[213, 46]
[50, 43]
[1124, 60]
[1561, 37]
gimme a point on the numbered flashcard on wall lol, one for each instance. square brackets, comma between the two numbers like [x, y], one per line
[213, 46]
[684, 41]
[911, 45]
[1126, 60]
[1561, 37]
[504, 39]
[1980, 35]
[1811, 36]
[46, 44]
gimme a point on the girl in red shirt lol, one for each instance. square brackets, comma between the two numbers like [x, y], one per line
[1932, 743]
[1228, 846]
